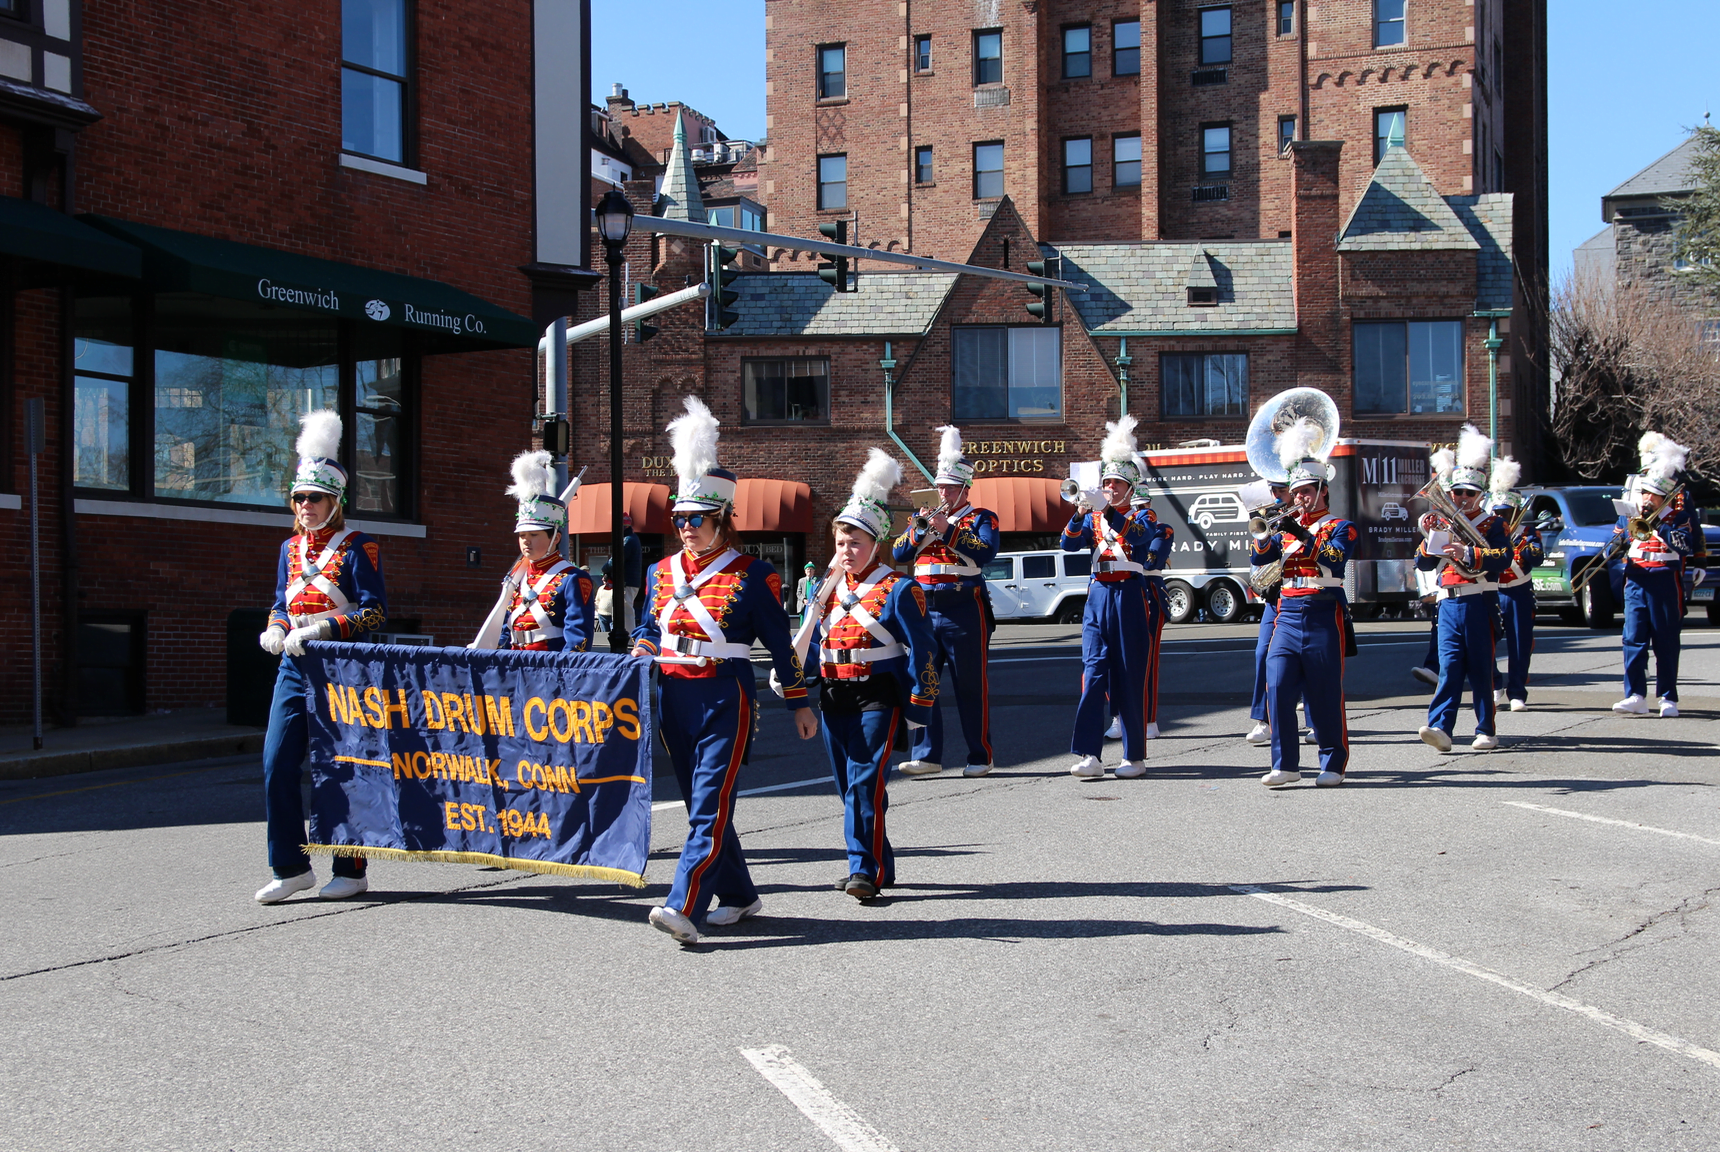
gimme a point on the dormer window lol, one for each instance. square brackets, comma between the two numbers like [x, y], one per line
[1202, 297]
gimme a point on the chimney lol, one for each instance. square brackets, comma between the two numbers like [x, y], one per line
[618, 101]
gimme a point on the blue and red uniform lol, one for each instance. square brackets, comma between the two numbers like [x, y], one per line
[702, 614]
[1517, 612]
[552, 609]
[334, 577]
[1467, 611]
[877, 662]
[1116, 629]
[1305, 656]
[949, 569]
[1654, 600]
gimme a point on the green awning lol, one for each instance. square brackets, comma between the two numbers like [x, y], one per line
[35, 232]
[453, 320]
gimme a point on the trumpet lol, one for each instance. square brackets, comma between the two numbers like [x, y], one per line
[1269, 518]
[1446, 517]
[922, 521]
[1071, 491]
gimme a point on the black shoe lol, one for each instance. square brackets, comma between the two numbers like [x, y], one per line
[860, 887]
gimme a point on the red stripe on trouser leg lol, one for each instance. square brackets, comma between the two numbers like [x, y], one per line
[878, 798]
[725, 804]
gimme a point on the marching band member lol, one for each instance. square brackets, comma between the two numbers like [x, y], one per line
[328, 587]
[1305, 655]
[551, 609]
[1261, 733]
[1468, 587]
[1116, 626]
[949, 555]
[876, 658]
[1516, 591]
[704, 606]
[1153, 560]
[1661, 536]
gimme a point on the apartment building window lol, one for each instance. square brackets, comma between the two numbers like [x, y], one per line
[988, 57]
[1391, 126]
[1126, 48]
[832, 71]
[1078, 164]
[988, 170]
[923, 165]
[1413, 366]
[375, 94]
[1203, 384]
[786, 391]
[922, 53]
[833, 181]
[1389, 27]
[1214, 36]
[1126, 160]
[1286, 17]
[1077, 52]
[1286, 131]
[1007, 373]
[1215, 149]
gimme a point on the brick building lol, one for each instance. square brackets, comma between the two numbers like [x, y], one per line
[217, 216]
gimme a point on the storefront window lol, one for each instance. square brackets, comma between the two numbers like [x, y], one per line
[376, 437]
[102, 352]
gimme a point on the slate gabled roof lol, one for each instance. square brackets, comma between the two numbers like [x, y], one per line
[1143, 287]
[1666, 176]
[1400, 210]
[800, 304]
[1488, 220]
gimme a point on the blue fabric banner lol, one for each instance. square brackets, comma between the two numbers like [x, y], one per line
[539, 761]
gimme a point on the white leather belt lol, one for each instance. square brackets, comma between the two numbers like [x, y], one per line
[1451, 591]
[1104, 567]
[686, 650]
[859, 655]
[306, 621]
[536, 635]
[946, 570]
[1312, 582]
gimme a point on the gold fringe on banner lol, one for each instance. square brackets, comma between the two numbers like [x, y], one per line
[545, 867]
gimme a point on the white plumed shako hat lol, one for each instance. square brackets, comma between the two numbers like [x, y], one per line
[1298, 451]
[868, 506]
[704, 486]
[318, 446]
[1473, 451]
[953, 467]
[1662, 460]
[1117, 458]
[534, 488]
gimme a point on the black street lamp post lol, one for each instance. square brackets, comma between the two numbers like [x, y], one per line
[614, 223]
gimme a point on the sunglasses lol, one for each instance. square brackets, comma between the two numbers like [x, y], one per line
[309, 497]
[693, 521]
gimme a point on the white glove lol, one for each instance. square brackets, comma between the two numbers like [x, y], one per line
[272, 640]
[913, 727]
[299, 637]
[776, 686]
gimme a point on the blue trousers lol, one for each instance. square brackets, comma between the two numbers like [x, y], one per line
[961, 644]
[1517, 608]
[1305, 660]
[1466, 653]
[1116, 652]
[705, 724]
[1431, 660]
[1156, 619]
[1653, 618]
[859, 746]
[283, 764]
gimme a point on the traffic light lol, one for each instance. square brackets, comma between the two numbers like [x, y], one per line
[641, 330]
[835, 273]
[1040, 308]
[718, 312]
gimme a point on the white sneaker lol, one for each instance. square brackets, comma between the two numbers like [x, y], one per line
[1438, 737]
[1278, 777]
[920, 768]
[277, 890]
[1519, 705]
[1633, 705]
[1668, 709]
[1261, 733]
[1308, 736]
[675, 924]
[976, 769]
[1087, 768]
[1115, 731]
[1484, 742]
[1153, 730]
[1129, 770]
[342, 887]
[725, 914]
[1328, 779]
[1499, 698]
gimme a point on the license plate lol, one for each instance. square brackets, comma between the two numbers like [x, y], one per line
[1703, 593]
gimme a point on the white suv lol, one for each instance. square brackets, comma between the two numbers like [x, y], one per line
[1039, 585]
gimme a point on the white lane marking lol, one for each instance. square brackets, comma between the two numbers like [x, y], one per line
[1609, 820]
[1249, 647]
[662, 804]
[838, 1121]
[1469, 968]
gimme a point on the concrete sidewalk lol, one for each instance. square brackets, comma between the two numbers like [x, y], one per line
[125, 742]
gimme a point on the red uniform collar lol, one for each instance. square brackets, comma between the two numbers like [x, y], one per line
[539, 567]
[696, 564]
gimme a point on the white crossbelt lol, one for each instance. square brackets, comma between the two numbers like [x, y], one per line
[311, 575]
[676, 649]
[968, 569]
[844, 604]
[1111, 555]
[531, 603]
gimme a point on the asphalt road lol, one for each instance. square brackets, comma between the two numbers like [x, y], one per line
[1503, 951]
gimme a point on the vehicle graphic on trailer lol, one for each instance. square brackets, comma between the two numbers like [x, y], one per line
[1218, 508]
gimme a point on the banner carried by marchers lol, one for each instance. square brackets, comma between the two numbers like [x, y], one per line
[538, 761]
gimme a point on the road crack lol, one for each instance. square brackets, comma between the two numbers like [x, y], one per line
[1622, 947]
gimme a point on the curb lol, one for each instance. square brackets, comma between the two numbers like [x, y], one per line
[39, 764]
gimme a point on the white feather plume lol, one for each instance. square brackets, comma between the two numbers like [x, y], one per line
[534, 475]
[1506, 473]
[1473, 447]
[1119, 442]
[1649, 447]
[693, 438]
[1443, 461]
[1297, 442]
[319, 437]
[949, 447]
[1662, 456]
[878, 477]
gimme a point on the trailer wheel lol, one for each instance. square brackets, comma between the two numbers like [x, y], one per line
[1180, 601]
[1224, 602]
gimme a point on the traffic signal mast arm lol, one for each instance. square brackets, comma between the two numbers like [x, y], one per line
[600, 326]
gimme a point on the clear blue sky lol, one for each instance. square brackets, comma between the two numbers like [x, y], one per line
[1625, 82]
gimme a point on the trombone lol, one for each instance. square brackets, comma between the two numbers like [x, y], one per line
[1636, 528]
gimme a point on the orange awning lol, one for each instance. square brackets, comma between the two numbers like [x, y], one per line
[773, 506]
[1023, 503]
[648, 504]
